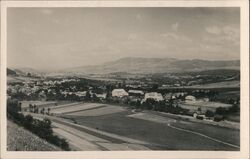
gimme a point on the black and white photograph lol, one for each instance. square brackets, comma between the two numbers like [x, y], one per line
[140, 79]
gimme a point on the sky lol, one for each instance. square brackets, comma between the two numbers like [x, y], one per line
[59, 38]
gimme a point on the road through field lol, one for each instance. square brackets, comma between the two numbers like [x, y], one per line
[160, 119]
[117, 128]
[196, 133]
[155, 130]
[82, 138]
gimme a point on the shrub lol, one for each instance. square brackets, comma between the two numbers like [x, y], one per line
[13, 107]
[28, 121]
[233, 109]
[218, 118]
[209, 113]
[41, 128]
[221, 111]
[199, 117]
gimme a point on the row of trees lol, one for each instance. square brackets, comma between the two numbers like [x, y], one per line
[41, 128]
[162, 106]
[34, 109]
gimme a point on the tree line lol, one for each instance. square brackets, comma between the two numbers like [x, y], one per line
[41, 128]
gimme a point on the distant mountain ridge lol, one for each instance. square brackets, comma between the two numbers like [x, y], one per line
[155, 65]
[25, 70]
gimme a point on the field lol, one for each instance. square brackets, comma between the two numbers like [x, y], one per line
[11, 79]
[25, 104]
[229, 94]
[164, 133]
[19, 139]
[73, 108]
[219, 85]
[17, 79]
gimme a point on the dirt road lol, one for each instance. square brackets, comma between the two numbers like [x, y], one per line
[82, 138]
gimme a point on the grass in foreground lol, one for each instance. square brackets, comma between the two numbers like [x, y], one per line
[19, 139]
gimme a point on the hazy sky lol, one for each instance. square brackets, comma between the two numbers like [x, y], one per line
[57, 38]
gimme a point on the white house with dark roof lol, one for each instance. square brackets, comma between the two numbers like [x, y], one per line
[154, 95]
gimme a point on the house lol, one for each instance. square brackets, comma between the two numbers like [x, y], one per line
[81, 94]
[168, 96]
[119, 93]
[153, 95]
[101, 96]
[190, 98]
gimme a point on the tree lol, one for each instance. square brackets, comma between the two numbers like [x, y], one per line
[234, 109]
[218, 118]
[88, 96]
[43, 110]
[209, 113]
[13, 107]
[48, 110]
[28, 120]
[30, 107]
[221, 111]
[149, 103]
[64, 145]
[138, 104]
[155, 87]
[35, 109]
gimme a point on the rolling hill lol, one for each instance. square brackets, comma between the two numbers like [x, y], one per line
[155, 65]
[11, 72]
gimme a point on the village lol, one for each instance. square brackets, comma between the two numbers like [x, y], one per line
[199, 103]
[104, 110]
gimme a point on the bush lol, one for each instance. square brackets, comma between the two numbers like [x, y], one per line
[218, 118]
[42, 128]
[199, 117]
[221, 111]
[209, 113]
[64, 145]
[174, 110]
[28, 121]
[234, 109]
[13, 107]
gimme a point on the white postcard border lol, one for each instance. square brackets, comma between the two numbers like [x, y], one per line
[244, 131]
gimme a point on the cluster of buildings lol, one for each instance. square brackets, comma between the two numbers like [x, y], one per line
[180, 99]
[44, 89]
[37, 88]
[27, 87]
[137, 94]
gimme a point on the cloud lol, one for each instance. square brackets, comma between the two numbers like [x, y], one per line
[226, 35]
[175, 26]
[213, 30]
[231, 32]
[175, 36]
